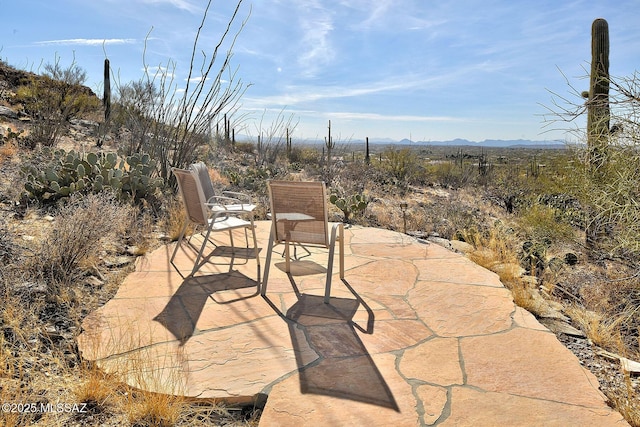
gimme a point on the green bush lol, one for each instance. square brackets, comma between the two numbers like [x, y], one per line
[400, 164]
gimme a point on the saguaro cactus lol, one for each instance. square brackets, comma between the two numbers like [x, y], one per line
[330, 144]
[598, 114]
[367, 158]
[598, 117]
[106, 98]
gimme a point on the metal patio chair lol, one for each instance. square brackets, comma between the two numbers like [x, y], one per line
[209, 214]
[299, 215]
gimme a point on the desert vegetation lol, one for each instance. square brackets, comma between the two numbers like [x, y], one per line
[83, 193]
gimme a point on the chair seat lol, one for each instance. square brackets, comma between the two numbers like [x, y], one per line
[234, 207]
[227, 222]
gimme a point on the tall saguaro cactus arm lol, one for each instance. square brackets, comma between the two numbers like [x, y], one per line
[598, 114]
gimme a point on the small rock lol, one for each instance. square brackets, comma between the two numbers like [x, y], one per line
[31, 287]
[440, 241]
[559, 327]
[630, 366]
[94, 282]
[132, 250]
[8, 112]
[119, 261]
[49, 218]
[461, 246]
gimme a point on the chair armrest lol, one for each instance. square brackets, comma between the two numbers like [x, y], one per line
[229, 204]
[223, 201]
[245, 198]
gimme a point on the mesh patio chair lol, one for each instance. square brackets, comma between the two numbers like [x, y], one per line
[231, 199]
[299, 216]
[215, 218]
[228, 201]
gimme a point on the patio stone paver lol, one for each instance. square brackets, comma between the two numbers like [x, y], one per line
[414, 335]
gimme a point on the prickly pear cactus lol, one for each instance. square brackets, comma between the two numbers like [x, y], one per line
[72, 172]
[349, 205]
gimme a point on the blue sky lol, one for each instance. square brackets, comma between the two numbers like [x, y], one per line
[419, 69]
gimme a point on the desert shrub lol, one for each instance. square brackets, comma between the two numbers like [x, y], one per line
[253, 179]
[450, 175]
[173, 122]
[399, 166]
[545, 223]
[9, 249]
[173, 218]
[612, 199]
[302, 156]
[82, 226]
[53, 99]
[245, 147]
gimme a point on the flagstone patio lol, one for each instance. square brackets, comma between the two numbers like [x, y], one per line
[414, 335]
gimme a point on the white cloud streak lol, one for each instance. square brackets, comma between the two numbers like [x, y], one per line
[180, 4]
[391, 117]
[317, 25]
[85, 42]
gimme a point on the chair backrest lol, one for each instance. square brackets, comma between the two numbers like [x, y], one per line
[201, 170]
[192, 196]
[299, 212]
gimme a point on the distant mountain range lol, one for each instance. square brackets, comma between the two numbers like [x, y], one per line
[491, 143]
[497, 143]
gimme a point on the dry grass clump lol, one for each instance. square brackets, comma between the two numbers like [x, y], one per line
[173, 218]
[612, 305]
[627, 402]
[496, 250]
[217, 179]
[7, 151]
[82, 227]
[140, 231]
[602, 331]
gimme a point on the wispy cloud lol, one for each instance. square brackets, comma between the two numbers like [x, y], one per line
[391, 117]
[299, 94]
[180, 4]
[316, 23]
[378, 13]
[85, 42]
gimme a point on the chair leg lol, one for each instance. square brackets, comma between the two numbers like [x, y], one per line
[265, 279]
[233, 246]
[341, 237]
[175, 250]
[255, 242]
[255, 248]
[287, 257]
[204, 245]
[332, 250]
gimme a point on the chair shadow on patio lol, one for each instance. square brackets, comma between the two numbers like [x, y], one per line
[180, 315]
[220, 255]
[344, 368]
